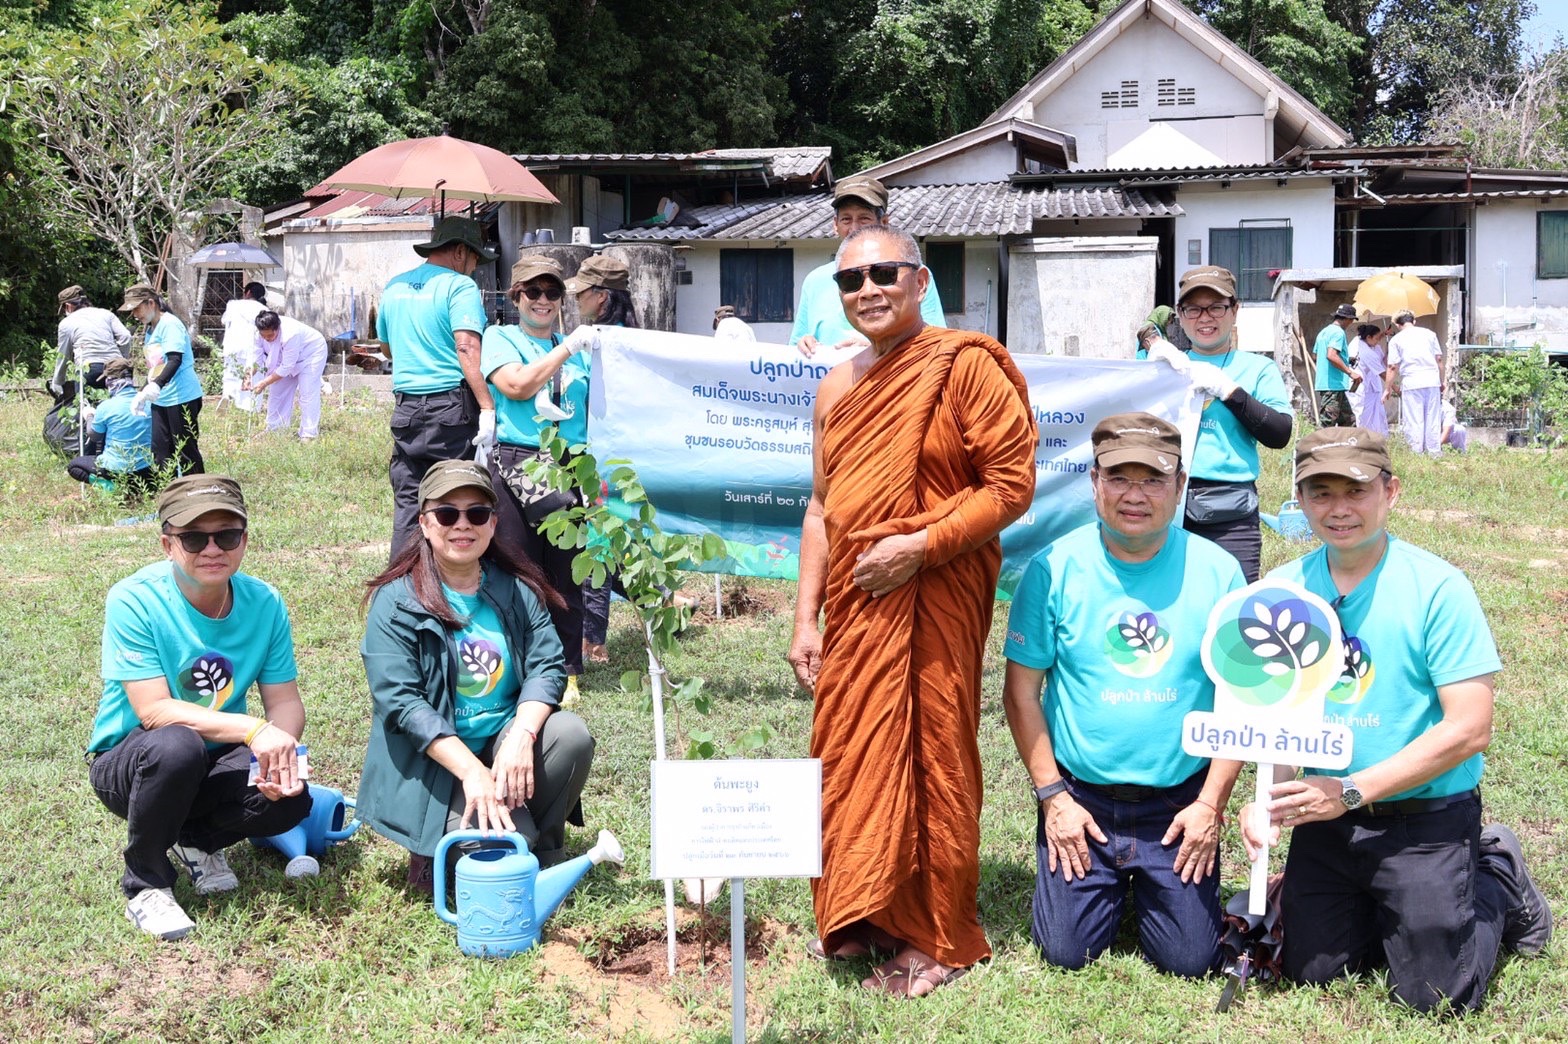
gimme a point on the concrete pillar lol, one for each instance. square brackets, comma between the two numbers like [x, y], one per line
[652, 270]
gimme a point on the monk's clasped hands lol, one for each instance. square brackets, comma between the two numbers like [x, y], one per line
[890, 563]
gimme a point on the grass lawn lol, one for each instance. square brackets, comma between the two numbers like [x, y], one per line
[352, 954]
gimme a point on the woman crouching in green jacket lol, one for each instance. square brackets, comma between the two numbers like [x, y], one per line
[466, 676]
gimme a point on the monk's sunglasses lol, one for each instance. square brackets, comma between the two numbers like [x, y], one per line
[549, 293]
[883, 273]
[195, 542]
[446, 515]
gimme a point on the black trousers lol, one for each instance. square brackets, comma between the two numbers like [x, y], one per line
[170, 789]
[130, 483]
[425, 429]
[175, 431]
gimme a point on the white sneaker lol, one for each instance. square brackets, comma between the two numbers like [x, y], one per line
[209, 871]
[155, 912]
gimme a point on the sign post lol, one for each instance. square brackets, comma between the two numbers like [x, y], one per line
[1274, 652]
[737, 819]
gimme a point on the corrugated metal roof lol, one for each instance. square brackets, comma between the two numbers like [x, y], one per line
[1465, 197]
[801, 162]
[991, 209]
[354, 203]
[1278, 174]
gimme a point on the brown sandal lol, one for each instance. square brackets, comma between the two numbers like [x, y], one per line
[904, 979]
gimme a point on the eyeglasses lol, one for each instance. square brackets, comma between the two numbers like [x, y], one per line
[1152, 487]
[1213, 311]
[194, 541]
[549, 293]
[883, 273]
[446, 515]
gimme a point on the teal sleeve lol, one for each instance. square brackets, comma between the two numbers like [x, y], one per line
[466, 306]
[130, 649]
[1031, 623]
[804, 308]
[931, 307]
[1459, 643]
[279, 665]
[495, 351]
[1269, 388]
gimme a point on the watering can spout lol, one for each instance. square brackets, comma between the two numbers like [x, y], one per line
[555, 883]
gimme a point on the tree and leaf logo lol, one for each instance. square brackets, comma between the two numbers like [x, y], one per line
[208, 681]
[481, 667]
[1356, 678]
[1279, 648]
[1136, 644]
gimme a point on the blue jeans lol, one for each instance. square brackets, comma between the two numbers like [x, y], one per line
[1178, 923]
[1411, 892]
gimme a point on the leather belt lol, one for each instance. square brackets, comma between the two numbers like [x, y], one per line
[1413, 806]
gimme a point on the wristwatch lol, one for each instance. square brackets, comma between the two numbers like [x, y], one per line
[1349, 793]
[1050, 790]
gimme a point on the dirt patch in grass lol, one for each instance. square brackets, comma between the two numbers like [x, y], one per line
[177, 976]
[752, 601]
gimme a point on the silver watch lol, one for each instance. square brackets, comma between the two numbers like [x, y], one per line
[1350, 794]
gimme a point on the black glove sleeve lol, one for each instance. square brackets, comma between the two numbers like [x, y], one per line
[171, 365]
[1269, 426]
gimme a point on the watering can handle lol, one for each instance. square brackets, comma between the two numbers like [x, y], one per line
[334, 836]
[517, 841]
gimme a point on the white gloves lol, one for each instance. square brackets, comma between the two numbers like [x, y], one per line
[484, 442]
[145, 398]
[582, 339]
[88, 413]
[1168, 353]
[1207, 377]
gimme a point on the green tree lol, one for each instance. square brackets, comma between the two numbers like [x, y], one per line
[144, 110]
[1516, 119]
[1300, 42]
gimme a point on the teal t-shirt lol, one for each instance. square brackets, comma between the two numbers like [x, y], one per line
[487, 684]
[151, 631]
[170, 335]
[421, 312]
[1329, 378]
[127, 438]
[516, 423]
[1226, 451]
[1122, 642]
[820, 311]
[1413, 625]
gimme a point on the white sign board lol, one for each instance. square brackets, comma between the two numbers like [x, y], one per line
[737, 819]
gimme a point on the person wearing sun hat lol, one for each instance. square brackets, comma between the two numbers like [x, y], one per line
[1336, 377]
[1109, 619]
[858, 201]
[89, 337]
[184, 641]
[173, 393]
[1389, 862]
[466, 678]
[431, 319]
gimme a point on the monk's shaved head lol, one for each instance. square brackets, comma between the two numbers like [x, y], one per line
[903, 243]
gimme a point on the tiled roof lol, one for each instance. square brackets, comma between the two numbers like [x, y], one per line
[991, 209]
[782, 163]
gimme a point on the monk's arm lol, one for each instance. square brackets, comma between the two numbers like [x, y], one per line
[805, 648]
[1000, 438]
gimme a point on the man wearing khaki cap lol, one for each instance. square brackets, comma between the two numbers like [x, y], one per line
[88, 337]
[431, 320]
[820, 322]
[1389, 864]
[184, 640]
[1110, 620]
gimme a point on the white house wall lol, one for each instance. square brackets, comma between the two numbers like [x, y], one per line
[1227, 114]
[1051, 309]
[993, 161]
[1307, 204]
[1503, 285]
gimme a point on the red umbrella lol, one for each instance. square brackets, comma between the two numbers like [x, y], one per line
[441, 166]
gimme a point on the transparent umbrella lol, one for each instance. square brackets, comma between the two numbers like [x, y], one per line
[233, 255]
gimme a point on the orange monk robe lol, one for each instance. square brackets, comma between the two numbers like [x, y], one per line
[936, 435]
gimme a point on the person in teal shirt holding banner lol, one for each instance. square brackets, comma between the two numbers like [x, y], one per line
[173, 391]
[858, 202]
[538, 378]
[1110, 618]
[1389, 864]
[173, 740]
[430, 320]
[1336, 379]
[1246, 406]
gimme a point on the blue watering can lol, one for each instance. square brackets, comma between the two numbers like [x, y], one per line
[503, 897]
[1290, 523]
[322, 827]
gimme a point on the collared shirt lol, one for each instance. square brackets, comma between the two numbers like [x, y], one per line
[93, 335]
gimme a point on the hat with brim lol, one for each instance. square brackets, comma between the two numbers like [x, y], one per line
[1354, 453]
[534, 266]
[449, 476]
[1345, 311]
[1137, 438]
[858, 188]
[599, 270]
[189, 497]
[456, 230]
[69, 294]
[137, 295]
[1207, 277]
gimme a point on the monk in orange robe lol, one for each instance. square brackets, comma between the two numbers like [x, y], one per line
[924, 452]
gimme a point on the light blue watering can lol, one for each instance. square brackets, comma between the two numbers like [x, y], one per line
[309, 840]
[1290, 523]
[503, 897]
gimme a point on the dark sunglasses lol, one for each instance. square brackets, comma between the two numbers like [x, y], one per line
[446, 515]
[195, 542]
[549, 293]
[883, 273]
